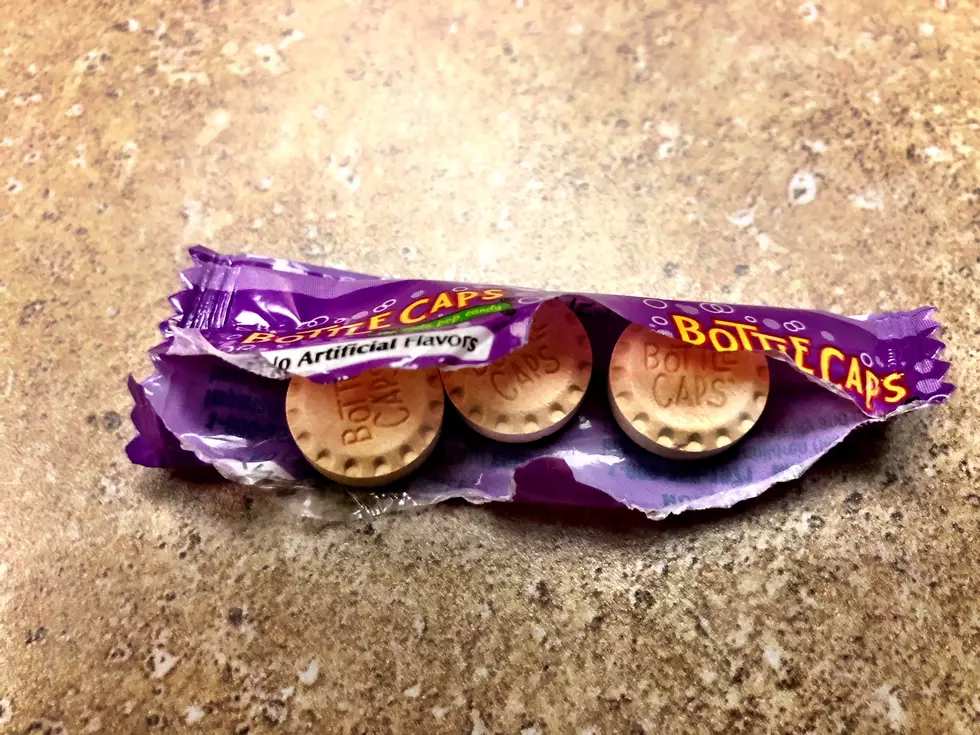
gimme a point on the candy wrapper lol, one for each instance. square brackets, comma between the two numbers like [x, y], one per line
[244, 325]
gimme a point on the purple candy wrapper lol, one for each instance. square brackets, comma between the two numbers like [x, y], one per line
[243, 325]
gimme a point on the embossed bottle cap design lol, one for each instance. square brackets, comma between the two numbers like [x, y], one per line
[369, 430]
[533, 391]
[681, 401]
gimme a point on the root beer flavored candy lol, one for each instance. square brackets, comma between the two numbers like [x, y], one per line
[369, 430]
[533, 391]
[684, 402]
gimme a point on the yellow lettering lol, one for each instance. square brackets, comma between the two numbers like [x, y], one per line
[258, 337]
[896, 391]
[314, 333]
[801, 346]
[854, 376]
[731, 344]
[465, 297]
[443, 301]
[378, 321]
[768, 340]
[872, 388]
[689, 329]
[406, 316]
[826, 355]
[492, 294]
[744, 331]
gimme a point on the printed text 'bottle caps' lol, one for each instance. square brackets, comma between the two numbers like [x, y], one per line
[533, 391]
[681, 401]
[369, 430]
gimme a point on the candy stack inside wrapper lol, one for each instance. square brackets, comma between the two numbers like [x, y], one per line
[354, 395]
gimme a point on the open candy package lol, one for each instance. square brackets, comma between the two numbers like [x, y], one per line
[352, 395]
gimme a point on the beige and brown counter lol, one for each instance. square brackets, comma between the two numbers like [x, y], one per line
[825, 155]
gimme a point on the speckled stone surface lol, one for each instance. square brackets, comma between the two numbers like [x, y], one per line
[826, 156]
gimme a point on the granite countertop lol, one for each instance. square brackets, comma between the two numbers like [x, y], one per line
[820, 155]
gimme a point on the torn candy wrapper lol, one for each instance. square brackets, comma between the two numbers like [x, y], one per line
[243, 325]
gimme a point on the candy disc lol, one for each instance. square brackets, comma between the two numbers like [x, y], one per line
[533, 391]
[682, 401]
[370, 430]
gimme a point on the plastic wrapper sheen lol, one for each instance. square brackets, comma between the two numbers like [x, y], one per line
[243, 326]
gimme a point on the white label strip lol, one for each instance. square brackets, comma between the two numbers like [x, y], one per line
[467, 343]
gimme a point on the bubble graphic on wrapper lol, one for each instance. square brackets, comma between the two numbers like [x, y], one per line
[659, 321]
[928, 385]
[827, 336]
[772, 324]
[384, 306]
[655, 303]
[924, 366]
[417, 295]
[688, 309]
[794, 326]
[460, 289]
[866, 360]
[359, 315]
[717, 308]
[316, 322]
[750, 319]
[530, 299]
[519, 329]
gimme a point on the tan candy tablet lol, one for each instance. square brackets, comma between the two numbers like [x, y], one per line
[533, 391]
[681, 401]
[370, 430]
